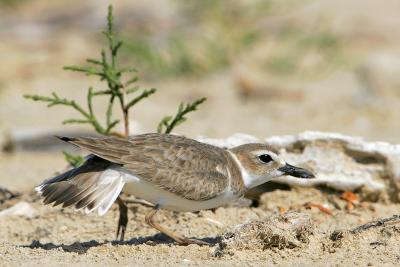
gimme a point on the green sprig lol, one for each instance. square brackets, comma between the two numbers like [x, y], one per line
[56, 100]
[168, 123]
[144, 94]
[73, 160]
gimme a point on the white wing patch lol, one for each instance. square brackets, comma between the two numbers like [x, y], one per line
[106, 204]
[112, 181]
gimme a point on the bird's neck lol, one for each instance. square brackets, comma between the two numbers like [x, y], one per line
[249, 180]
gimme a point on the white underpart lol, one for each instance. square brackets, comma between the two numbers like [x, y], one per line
[167, 200]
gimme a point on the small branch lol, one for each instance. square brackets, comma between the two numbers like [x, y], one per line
[377, 223]
[128, 69]
[110, 36]
[125, 114]
[103, 92]
[132, 80]
[69, 121]
[73, 160]
[163, 123]
[126, 122]
[109, 110]
[132, 90]
[89, 101]
[94, 61]
[125, 108]
[114, 52]
[170, 123]
[56, 100]
[110, 126]
[87, 70]
[144, 94]
[110, 19]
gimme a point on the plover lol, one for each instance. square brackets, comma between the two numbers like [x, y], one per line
[170, 171]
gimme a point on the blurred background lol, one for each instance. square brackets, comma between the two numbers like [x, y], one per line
[267, 68]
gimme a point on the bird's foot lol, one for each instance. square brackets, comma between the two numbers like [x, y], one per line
[123, 219]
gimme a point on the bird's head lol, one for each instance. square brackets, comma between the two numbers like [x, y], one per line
[260, 163]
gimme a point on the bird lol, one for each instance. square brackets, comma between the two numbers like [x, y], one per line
[171, 172]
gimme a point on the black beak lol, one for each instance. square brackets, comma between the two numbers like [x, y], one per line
[296, 171]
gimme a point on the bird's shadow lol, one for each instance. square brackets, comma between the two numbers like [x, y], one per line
[83, 247]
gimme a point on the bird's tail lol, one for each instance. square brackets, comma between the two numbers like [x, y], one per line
[94, 185]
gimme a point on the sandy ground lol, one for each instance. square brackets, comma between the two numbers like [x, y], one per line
[358, 96]
[65, 237]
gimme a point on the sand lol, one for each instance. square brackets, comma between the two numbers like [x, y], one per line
[57, 236]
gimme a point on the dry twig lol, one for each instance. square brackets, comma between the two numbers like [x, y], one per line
[381, 222]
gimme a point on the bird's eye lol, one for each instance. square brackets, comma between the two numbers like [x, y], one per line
[265, 158]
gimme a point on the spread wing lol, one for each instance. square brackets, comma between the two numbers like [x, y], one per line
[188, 168]
[90, 186]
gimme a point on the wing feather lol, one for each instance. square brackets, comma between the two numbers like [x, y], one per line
[87, 187]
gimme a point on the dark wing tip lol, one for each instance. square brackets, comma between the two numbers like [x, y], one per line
[66, 139]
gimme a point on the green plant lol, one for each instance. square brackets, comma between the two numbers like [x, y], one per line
[121, 88]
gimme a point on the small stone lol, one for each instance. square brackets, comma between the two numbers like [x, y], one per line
[20, 209]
